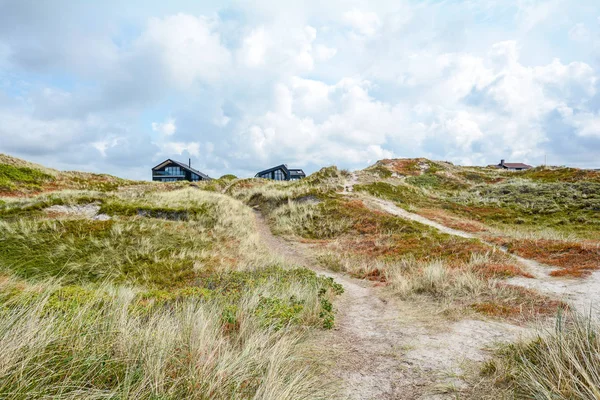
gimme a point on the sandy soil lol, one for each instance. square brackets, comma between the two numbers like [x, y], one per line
[349, 184]
[86, 211]
[383, 348]
[391, 208]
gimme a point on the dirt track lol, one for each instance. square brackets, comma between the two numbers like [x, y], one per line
[582, 293]
[388, 349]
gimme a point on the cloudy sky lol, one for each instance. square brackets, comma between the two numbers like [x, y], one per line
[237, 86]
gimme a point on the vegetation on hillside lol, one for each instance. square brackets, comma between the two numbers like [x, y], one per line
[21, 178]
[111, 288]
[411, 258]
[168, 295]
[557, 207]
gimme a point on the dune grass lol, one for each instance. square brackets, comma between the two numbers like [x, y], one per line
[561, 363]
[173, 297]
[473, 286]
[106, 346]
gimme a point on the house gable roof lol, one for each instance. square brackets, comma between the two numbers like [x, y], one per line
[282, 166]
[515, 165]
[184, 166]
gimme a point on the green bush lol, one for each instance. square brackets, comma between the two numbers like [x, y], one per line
[380, 170]
[278, 312]
[228, 177]
[12, 178]
[432, 181]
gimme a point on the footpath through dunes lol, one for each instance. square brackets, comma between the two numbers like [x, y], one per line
[582, 293]
[385, 348]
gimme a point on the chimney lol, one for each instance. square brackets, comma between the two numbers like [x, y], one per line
[501, 162]
[190, 162]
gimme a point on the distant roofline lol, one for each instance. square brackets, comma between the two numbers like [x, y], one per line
[514, 165]
[184, 166]
[288, 171]
[281, 166]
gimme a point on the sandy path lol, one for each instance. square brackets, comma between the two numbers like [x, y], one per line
[582, 293]
[389, 349]
[349, 184]
[391, 208]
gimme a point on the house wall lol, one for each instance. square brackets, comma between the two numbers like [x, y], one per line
[279, 174]
[163, 174]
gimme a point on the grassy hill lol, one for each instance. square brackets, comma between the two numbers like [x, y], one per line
[546, 213]
[119, 289]
[19, 177]
[150, 291]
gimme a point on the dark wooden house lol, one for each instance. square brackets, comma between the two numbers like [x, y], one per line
[172, 171]
[281, 173]
[513, 166]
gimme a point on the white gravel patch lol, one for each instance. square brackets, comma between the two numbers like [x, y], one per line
[86, 211]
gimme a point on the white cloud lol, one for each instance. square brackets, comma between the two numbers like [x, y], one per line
[221, 120]
[255, 47]
[579, 33]
[504, 54]
[188, 47]
[463, 129]
[167, 128]
[324, 53]
[366, 23]
[587, 124]
[534, 12]
[105, 144]
[169, 148]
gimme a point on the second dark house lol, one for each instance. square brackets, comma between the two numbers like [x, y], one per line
[172, 171]
[281, 173]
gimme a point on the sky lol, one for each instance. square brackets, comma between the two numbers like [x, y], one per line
[238, 86]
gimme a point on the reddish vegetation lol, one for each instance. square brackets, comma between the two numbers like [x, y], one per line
[576, 258]
[454, 251]
[403, 166]
[366, 221]
[502, 271]
[451, 221]
[375, 275]
[523, 305]
[562, 174]
[571, 272]
[496, 310]
[247, 184]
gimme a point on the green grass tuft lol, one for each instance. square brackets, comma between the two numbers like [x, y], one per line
[13, 177]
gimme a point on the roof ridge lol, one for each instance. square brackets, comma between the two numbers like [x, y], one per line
[186, 166]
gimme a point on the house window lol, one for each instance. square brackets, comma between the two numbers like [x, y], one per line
[195, 178]
[173, 171]
[169, 179]
[279, 176]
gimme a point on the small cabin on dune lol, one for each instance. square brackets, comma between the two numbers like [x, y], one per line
[512, 166]
[173, 171]
[281, 173]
